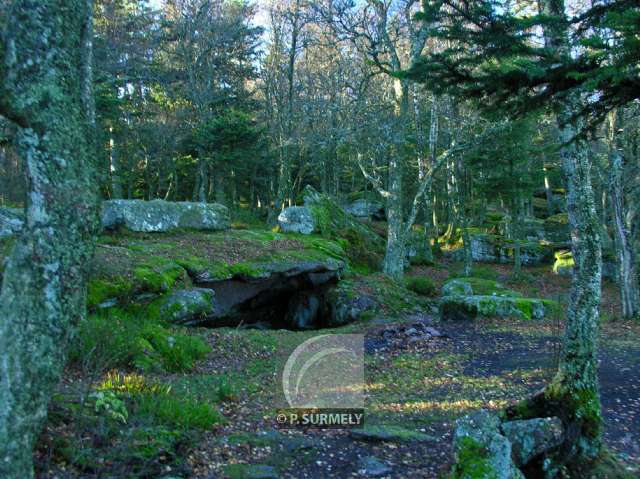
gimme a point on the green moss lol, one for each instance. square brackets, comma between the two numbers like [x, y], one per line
[158, 275]
[472, 461]
[247, 471]
[100, 290]
[525, 306]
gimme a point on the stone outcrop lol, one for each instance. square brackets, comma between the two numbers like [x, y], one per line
[188, 306]
[322, 215]
[481, 451]
[231, 278]
[472, 307]
[163, 216]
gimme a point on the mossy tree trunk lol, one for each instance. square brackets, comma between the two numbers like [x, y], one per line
[573, 393]
[43, 289]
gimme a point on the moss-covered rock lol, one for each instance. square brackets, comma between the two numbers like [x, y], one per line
[188, 306]
[472, 307]
[362, 244]
[532, 437]
[476, 286]
[481, 451]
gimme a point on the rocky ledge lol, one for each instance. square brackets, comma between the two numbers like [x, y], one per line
[248, 278]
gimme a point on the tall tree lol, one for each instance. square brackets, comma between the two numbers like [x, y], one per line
[43, 91]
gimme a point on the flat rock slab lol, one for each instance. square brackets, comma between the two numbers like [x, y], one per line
[163, 216]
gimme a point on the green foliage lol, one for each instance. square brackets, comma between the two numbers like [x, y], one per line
[178, 412]
[117, 339]
[421, 285]
[491, 56]
[109, 403]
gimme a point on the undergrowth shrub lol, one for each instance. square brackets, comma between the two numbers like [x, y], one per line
[421, 285]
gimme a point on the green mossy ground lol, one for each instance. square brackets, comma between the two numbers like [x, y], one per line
[128, 265]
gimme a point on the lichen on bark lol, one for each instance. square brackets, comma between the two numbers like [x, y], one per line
[43, 288]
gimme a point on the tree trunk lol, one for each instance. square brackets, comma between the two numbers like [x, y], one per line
[393, 264]
[573, 393]
[43, 290]
[627, 269]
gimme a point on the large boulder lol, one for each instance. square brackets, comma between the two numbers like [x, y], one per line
[472, 307]
[297, 219]
[481, 451]
[366, 209]
[532, 437]
[163, 216]
[11, 221]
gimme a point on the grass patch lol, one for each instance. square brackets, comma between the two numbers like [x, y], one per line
[118, 339]
[421, 285]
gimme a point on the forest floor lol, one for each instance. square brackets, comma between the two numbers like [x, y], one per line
[422, 387]
[415, 388]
